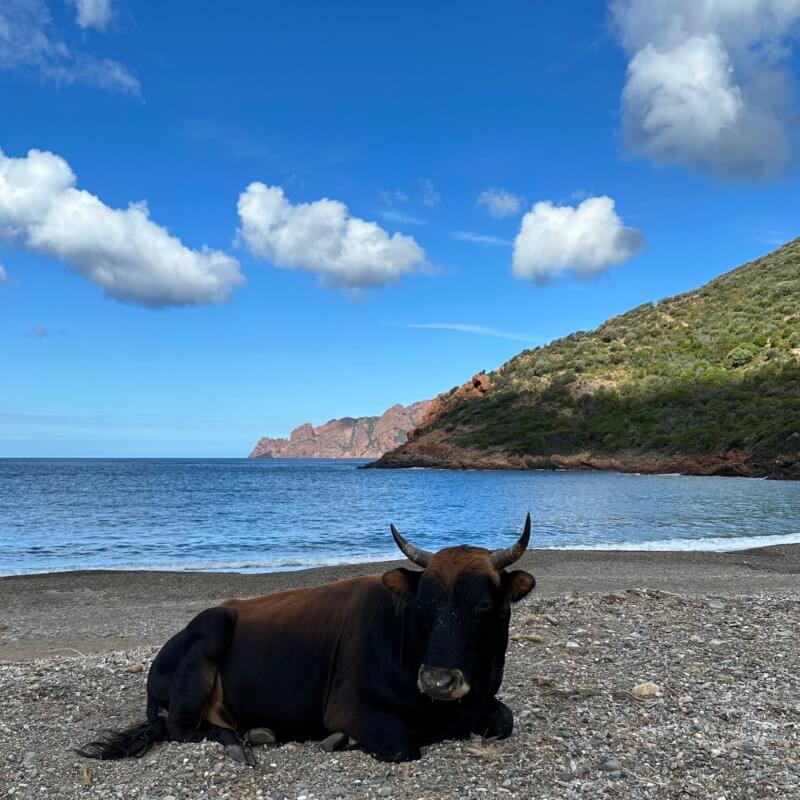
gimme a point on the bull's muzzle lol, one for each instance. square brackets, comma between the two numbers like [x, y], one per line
[442, 684]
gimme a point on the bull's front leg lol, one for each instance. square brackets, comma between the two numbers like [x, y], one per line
[497, 722]
[379, 733]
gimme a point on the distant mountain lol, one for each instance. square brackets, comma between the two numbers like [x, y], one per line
[361, 437]
[707, 382]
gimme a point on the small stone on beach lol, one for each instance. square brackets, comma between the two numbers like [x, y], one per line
[646, 689]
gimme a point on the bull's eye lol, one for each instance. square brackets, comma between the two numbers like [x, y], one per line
[483, 607]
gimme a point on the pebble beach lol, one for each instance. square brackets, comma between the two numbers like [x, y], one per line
[635, 675]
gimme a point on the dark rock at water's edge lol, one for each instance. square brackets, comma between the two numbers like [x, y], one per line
[704, 383]
[734, 465]
[361, 437]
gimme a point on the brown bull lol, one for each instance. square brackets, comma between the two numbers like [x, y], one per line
[394, 661]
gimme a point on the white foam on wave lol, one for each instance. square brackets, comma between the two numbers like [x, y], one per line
[709, 544]
[292, 563]
[275, 564]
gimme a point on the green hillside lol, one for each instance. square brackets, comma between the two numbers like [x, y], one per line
[713, 370]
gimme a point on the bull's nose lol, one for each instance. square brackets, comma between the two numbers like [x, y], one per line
[440, 683]
[445, 682]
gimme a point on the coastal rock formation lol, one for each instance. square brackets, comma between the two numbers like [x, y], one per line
[349, 437]
[732, 464]
[704, 383]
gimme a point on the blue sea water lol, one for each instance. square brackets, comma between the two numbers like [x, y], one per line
[236, 514]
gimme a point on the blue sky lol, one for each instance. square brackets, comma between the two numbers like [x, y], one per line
[120, 335]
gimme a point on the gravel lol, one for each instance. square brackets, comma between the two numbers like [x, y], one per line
[634, 694]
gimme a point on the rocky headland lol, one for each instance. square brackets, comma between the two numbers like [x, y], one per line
[703, 383]
[348, 437]
[730, 464]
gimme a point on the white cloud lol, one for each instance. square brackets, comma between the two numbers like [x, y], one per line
[771, 237]
[390, 197]
[393, 215]
[30, 42]
[480, 238]
[429, 197]
[40, 332]
[93, 13]
[121, 250]
[482, 330]
[587, 240]
[103, 72]
[238, 143]
[322, 237]
[707, 85]
[499, 202]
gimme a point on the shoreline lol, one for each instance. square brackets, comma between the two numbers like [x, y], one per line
[706, 544]
[101, 610]
[721, 544]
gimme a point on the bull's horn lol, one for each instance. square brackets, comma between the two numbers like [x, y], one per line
[413, 553]
[508, 555]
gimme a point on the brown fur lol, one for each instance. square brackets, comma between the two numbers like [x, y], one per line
[311, 614]
[342, 657]
[215, 712]
[332, 600]
[451, 562]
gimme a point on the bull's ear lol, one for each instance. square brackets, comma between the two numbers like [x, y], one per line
[402, 581]
[517, 584]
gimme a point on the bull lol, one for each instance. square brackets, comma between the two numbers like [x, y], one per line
[394, 661]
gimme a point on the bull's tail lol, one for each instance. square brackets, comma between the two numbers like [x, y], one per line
[132, 742]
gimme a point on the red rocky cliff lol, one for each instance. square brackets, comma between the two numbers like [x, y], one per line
[361, 437]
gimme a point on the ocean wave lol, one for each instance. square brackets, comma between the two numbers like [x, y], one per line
[709, 544]
[294, 562]
[277, 564]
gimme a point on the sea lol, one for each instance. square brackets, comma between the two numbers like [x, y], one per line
[267, 515]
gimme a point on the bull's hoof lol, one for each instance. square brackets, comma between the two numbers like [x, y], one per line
[399, 756]
[242, 753]
[499, 723]
[334, 742]
[260, 736]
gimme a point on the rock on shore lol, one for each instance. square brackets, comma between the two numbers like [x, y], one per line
[446, 456]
